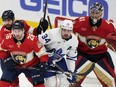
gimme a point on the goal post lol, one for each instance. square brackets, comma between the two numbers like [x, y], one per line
[59, 19]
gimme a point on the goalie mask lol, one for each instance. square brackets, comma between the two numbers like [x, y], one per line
[96, 11]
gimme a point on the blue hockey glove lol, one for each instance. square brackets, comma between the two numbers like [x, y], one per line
[71, 77]
[53, 59]
[9, 63]
[42, 26]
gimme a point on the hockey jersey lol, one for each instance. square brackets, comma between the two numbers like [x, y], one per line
[4, 31]
[92, 39]
[23, 52]
[53, 41]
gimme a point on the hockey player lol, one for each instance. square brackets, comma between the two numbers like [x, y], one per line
[92, 31]
[8, 17]
[22, 47]
[62, 44]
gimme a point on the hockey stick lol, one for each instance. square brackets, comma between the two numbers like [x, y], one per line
[45, 8]
[49, 21]
[75, 74]
[46, 12]
[82, 74]
[26, 67]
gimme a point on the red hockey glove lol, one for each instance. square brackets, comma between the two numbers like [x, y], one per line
[111, 39]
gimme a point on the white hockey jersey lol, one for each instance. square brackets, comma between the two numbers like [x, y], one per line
[52, 40]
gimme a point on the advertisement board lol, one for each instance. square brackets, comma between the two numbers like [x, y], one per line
[32, 10]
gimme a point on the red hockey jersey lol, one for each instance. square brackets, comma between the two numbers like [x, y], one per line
[92, 39]
[4, 31]
[23, 53]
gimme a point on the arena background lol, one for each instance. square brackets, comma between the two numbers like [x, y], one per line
[32, 10]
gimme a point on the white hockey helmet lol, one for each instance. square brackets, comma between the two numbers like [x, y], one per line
[67, 24]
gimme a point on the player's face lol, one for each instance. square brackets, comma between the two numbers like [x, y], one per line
[8, 23]
[18, 33]
[95, 16]
[66, 34]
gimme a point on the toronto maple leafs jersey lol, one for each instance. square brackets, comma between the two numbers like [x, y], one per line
[53, 41]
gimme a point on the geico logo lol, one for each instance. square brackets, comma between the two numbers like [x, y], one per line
[72, 8]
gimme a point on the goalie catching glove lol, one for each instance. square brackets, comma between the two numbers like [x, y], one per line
[42, 27]
[111, 39]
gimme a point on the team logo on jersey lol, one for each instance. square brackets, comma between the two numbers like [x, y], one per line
[19, 57]
[58, 55]
[93, 41]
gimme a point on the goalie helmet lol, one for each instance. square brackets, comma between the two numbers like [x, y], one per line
[18, 24]
[96, 7]
[8, 14]
[67, 24]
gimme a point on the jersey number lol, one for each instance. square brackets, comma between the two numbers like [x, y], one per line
[45, 38]
[31, 37]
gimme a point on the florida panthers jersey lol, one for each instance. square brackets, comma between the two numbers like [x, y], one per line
[23, 51]
[4, 31]
[92, 39]
[53, 41]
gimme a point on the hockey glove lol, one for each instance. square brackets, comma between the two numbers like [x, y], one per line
[53, 59]
[42, 27]
[43, 66]
[71, 77]
[111, 39]
[10, 63]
